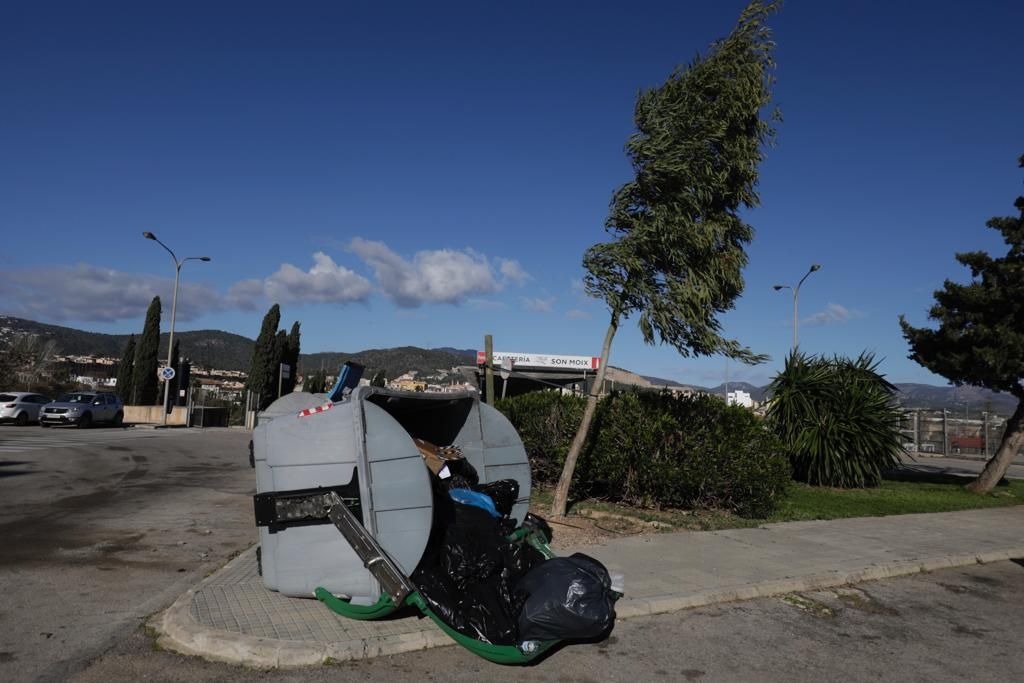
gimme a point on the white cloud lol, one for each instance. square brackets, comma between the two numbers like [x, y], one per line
[833, 314]
[245, 294]
[440, 276]
[577, 314]
[88, 293]
[486, 304]
[511, 271]
[325, 282]
[537, 304]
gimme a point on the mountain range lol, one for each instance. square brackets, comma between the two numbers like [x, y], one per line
[227, 351]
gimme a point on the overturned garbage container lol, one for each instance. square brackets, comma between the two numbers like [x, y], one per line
[364, 451]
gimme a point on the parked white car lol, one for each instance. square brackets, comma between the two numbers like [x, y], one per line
[21, 407]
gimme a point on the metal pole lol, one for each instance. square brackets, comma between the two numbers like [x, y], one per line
[984, 427]
[170, 339]
[945, 432]
[489, 369]
[796, 318]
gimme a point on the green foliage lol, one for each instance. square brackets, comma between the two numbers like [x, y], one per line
[837, 418]
[379, 379]
[656, 449]
[678, 256]
[125, 370]
[262, 378]
[980, 337]
[687, 452]
[144, 379]
[546, 422]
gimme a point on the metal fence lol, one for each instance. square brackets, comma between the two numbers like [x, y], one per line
[939, 432]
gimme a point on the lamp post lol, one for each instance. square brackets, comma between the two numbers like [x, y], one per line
[796, 295]
[174, 309]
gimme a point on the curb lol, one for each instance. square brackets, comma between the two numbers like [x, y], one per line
[180, 633]
[670, 603]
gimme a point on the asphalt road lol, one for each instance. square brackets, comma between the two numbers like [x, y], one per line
[951, 625]
[105, 527]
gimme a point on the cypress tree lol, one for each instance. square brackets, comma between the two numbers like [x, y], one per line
[292, 358]
[280, 352]
[379, 379]
[260, 375]
[144, 379]
[125, 370]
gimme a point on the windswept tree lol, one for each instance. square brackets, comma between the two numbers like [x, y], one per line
[676, 258]
[125, 372]
[261, 375]
[980, 336]
[144, 379]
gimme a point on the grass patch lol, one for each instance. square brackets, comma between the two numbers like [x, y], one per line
[891, 498]
[803, 503]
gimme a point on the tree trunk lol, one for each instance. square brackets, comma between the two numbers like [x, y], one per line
[561, 500]
[1013, 439]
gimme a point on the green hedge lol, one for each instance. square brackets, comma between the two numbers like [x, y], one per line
[656, 449]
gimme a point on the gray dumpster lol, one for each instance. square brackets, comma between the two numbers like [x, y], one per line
[363, 449]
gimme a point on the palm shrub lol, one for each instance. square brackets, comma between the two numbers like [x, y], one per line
[837, 418]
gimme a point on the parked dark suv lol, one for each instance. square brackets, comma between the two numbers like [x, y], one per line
[83, 408]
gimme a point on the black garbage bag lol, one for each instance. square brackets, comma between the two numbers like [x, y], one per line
[566, 598]
[476, 610]
[471, 550]
[471, 578]
[462, 474]
[503, 492]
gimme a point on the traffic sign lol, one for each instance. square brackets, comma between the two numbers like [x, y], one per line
[166, 374]
[506, 367]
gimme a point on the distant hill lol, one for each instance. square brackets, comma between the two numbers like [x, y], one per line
[953, 398]
[394, 361]
[209, 348]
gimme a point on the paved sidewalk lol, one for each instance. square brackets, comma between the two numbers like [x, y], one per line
[231, 617]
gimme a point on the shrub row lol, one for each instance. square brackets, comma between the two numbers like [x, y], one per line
[656, 449]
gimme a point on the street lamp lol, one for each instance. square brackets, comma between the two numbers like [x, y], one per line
[174, 308]
[796, 294]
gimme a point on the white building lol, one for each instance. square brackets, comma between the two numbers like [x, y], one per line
[739, 398]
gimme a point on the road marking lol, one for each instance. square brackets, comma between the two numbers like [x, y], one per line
[69, 438]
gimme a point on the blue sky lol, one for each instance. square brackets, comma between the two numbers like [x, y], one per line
[427, 173]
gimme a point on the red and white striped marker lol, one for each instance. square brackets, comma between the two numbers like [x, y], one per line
[315, 411]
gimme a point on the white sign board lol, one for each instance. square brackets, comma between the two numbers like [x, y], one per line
[506, 367]
[542, 360]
